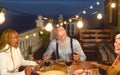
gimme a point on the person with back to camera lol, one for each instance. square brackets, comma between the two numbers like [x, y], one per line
[10, 56]
[64, 47]
[114, 69]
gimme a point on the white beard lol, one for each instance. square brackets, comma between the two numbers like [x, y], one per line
[63, 45]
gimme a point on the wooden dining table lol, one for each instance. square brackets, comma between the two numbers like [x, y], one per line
[62, 68]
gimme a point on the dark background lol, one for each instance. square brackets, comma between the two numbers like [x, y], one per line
[21, 14]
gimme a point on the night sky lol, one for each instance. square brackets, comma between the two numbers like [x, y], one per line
[21, 14]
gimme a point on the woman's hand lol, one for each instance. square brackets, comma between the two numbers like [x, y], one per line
[28, 70]
[95, 64]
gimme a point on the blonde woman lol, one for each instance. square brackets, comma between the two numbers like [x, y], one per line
[114, 69]
[10, 55]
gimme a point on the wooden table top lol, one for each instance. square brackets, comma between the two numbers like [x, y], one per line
[61, 67]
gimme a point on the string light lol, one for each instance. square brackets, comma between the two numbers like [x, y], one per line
[70, 20]
[61, 24]
[77, 16]
[57, 25]
[2, 15]
[34, 34]
[113, 5]
[84, 12]
[99, 16]
[41, 32]
[91, 7]
[49, 27]
[65, 22]
[26, 36]
[98, 3]
[80, 23]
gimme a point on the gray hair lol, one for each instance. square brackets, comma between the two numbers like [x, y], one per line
[60, 29]
[117, 36]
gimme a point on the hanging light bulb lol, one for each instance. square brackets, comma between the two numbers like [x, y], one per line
[61, 24]
[80, 23]
[41, 32]
[49, 27]
[34, 34]
[98, 3]
[57, 25]
[91, 7]
[26, 36]
[84, 12]
[113, 5]
[2, 15]
[70, 20]
[77, 16]
[99, 16]
[65, 22]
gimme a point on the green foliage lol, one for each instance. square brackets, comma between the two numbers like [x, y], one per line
[45, 38]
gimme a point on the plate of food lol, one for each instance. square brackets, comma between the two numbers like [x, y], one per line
[84, 72]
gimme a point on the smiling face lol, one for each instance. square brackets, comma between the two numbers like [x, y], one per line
[14, 39]
[61, 34]
[117, 46]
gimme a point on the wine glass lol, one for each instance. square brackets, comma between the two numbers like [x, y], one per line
[40, 63]
[76, 58]
[47, 65]
[33, 69]
[68, 64]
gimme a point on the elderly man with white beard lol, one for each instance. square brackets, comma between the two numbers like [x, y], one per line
[64, 47]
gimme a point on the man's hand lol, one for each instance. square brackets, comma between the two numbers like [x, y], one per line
[47, 57]
[76, 57]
